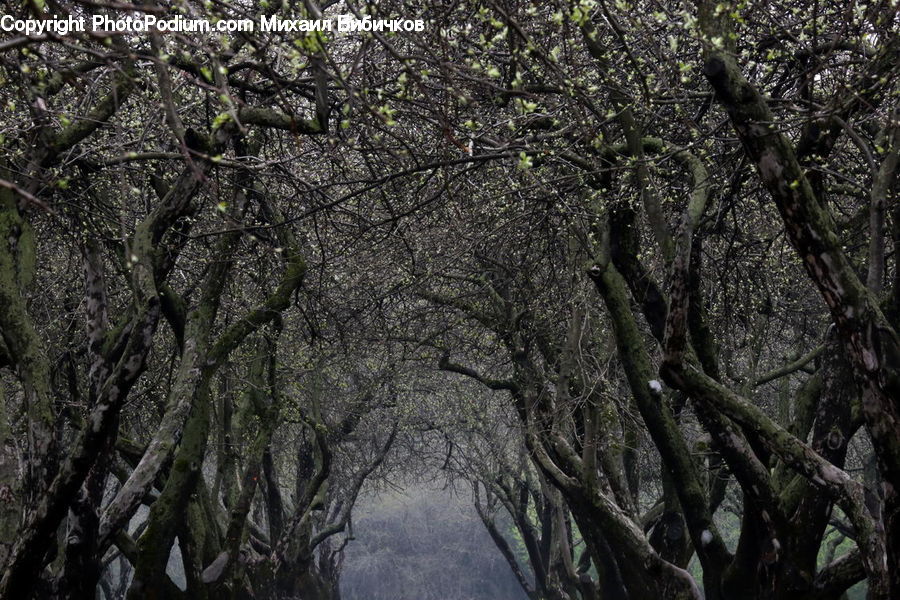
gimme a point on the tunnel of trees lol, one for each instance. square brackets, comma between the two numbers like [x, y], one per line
[620, 276]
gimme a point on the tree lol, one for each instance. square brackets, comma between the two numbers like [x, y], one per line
[244, 275]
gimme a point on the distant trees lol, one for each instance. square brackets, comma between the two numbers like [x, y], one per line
[241, 276]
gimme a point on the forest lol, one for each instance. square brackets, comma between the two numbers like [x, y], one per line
[477, 300]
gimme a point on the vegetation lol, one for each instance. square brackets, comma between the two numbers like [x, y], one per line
[623, 274]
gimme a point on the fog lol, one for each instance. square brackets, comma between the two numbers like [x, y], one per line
[423, 543]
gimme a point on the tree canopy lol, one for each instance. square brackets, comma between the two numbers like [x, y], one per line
[621, 274]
